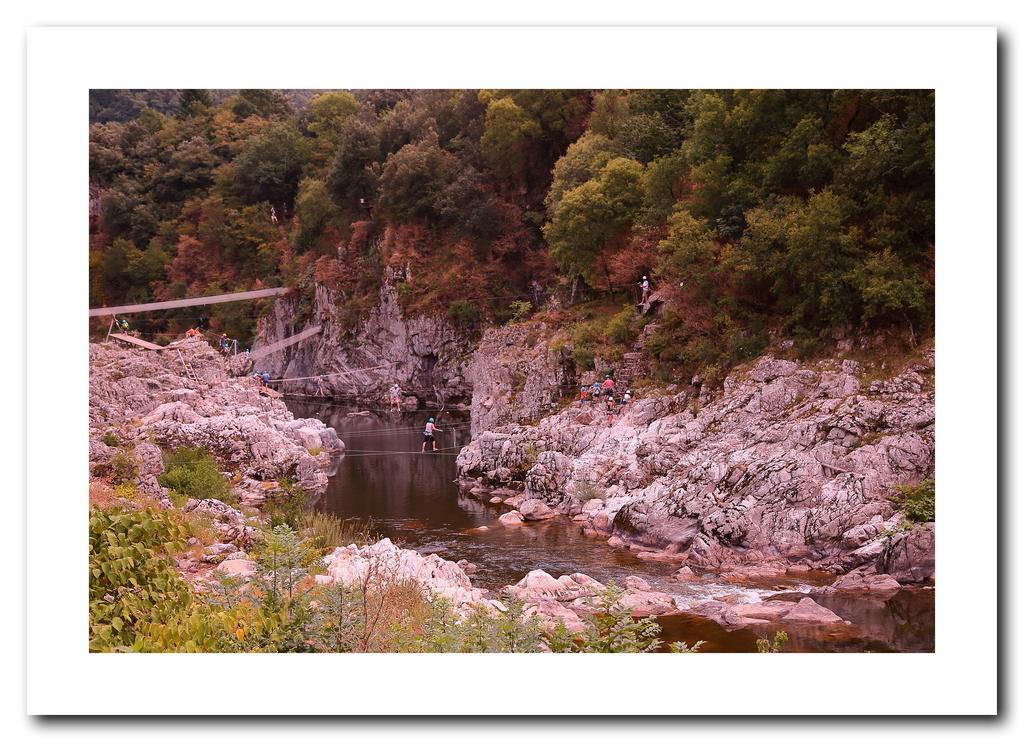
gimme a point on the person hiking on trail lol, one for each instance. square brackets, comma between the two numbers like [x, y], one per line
[225, 344]
[265, 377]
[273, 215]
[595, 391]
[428, 435]
[609, 406]
[608, 385]
[396, 397]
[583, 393]
[645, 287]
[626, 399]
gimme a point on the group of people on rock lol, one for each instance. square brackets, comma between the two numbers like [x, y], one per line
[263, 377]
[605, 390]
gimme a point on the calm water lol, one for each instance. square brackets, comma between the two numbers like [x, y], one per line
[414, 500]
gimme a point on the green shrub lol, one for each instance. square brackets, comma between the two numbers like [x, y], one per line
[286, 508]
[132, 579]
[326, 531]
[463, 313]
[584, 491]
[917, 501]
[123, 467]
[193, 472]
[612, 629]
[775, 645]
[518, 310]
[111, 439]
[622, 327]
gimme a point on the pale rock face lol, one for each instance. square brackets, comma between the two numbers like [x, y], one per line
[862, 580]
[788, 464]
[574, 595]
[511, 518]
[513, 381]
[425, 355]
[536, 509]
[237, 567]
[384, 561]
[141, 394]
[736, 615]
[230, 523]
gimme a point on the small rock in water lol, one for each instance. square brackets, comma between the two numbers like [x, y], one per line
[511, 518]
[496, 501]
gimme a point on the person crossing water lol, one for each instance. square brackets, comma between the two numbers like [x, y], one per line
[428, 435]
[396, 397]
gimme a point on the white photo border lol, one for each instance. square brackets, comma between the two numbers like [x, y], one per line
[960, 64]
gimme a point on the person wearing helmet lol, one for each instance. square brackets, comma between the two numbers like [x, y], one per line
[428, 435]
[645, 286]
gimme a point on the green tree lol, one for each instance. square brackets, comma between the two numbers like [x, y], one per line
[590, 216]
[414, 177]
[508, 131]
[271, 165]
[194, 103]
[328, 114]
[314, 209]
[355, 169]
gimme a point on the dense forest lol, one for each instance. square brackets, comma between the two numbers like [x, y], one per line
[801, 212]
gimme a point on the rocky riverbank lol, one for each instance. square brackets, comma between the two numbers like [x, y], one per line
[184, 396]
[789, 468]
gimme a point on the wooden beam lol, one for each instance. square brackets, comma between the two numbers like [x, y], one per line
[135, 341]
[179, 303]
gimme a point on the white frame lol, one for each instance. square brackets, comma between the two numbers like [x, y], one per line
[63, 64]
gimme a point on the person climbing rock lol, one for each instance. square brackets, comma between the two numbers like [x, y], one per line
[124, 325]
[428, 435]
[273, 215]
[608, 385]
[583, 394]
[626, 399]
[225, 343]
[610, 408]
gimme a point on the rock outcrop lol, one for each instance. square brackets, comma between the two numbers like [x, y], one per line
[425, 354]
[515, 377]
[140, 396]
[788, 465]
[385, 563]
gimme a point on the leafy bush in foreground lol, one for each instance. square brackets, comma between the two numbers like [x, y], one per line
[193, 472]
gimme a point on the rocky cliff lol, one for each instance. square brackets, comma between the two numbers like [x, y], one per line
[426, 355]
[789, 466]
[516, 377]
[184, 396]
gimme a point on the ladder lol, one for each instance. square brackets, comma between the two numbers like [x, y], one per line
[189, 371]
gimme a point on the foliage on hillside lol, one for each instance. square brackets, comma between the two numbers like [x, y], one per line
[801, 211]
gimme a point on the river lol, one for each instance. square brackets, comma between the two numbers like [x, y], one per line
[413, 499]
